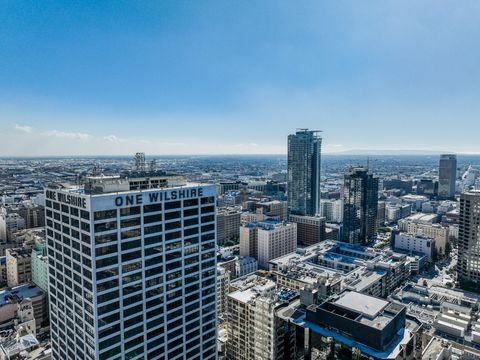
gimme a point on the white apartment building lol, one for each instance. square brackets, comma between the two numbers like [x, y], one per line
[332, 210]
[396, 212]
[245, 265]
[436, 231]
[415, 244]
[132, 273]
[267, 240]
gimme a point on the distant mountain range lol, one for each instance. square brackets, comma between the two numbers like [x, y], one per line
[387, 152]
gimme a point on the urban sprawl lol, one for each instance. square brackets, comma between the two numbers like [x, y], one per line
[308, 256]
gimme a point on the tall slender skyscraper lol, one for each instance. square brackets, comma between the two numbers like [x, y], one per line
[447, 175]
[468, 266]
[304, 159]
[360, 204]
[132, 273]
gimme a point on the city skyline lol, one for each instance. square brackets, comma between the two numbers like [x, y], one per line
[239, 180]
[175, 78]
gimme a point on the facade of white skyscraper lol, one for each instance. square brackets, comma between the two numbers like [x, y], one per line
[132, 274]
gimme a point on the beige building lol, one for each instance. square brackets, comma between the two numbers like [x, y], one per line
[35, 216]
[255, 331]
[9, 223]
[274, 208]
[249, 217]
[19, 266]
[434, 231]
[228, 224]
[267, 240]
[223, 287]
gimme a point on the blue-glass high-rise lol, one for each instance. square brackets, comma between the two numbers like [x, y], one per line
[304, 159]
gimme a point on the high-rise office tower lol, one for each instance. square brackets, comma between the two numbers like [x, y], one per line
[304, 148]
[447, 174]
[132, 274]
[468, 266]
[360, 204]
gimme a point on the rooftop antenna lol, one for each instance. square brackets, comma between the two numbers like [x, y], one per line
[97, 170]
[153, 165]
[306, 129]
[140, 161]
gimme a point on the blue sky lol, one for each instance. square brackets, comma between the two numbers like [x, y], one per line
[187, 77]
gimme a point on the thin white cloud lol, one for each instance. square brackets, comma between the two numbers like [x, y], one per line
[24, 128]
[173, 143]
[247, 145]
[67, 135]
[112, 138]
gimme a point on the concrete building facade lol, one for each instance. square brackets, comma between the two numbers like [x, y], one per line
[132, 273]
[267, 240]
[468, 266]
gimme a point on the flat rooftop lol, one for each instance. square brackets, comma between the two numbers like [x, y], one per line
[123, 188]
[244, 296]
[421, 217]
[18, 293]
[362, 278]
[364, 304]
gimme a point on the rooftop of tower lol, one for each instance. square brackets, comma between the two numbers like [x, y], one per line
[107, 184]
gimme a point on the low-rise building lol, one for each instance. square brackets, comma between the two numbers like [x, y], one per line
[19, 266]
[267, 240]
[274, 208]
[11, 297]
[415, 244]
[353, 325]
[9, 223]
[395, 212]
[228, 224]
[438, 232]
[332, 210]
[39, 264]
[310, 229]
[362, 269]
[245, 265]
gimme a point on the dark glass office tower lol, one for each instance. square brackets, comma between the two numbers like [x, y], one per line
[447, 174]
[304, 148]
[360, 198]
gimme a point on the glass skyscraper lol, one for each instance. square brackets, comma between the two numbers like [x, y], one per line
[447, 175]
[360, 203]
[304, 159]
